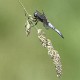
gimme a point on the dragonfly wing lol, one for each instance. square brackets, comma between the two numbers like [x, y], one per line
[46, 26]
[41, 15]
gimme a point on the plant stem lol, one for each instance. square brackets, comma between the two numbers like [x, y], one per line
[23, 7]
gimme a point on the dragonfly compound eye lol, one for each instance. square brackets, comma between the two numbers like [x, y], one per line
[35, 14]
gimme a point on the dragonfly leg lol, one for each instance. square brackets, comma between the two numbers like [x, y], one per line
[36, 22]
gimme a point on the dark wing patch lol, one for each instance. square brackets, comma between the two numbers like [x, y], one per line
[41, 15]
[42, 18]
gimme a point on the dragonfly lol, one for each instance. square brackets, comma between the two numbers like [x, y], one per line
[38, 16]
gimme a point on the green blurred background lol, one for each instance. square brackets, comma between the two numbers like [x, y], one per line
[22, 57]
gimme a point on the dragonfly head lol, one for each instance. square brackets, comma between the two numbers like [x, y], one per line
[35, 14]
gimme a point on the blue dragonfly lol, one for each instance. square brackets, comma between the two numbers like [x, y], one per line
[42, 18]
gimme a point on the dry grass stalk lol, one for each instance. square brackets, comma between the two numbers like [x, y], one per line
[51, 51]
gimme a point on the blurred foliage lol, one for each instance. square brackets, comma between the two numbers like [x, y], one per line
[22, 57]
